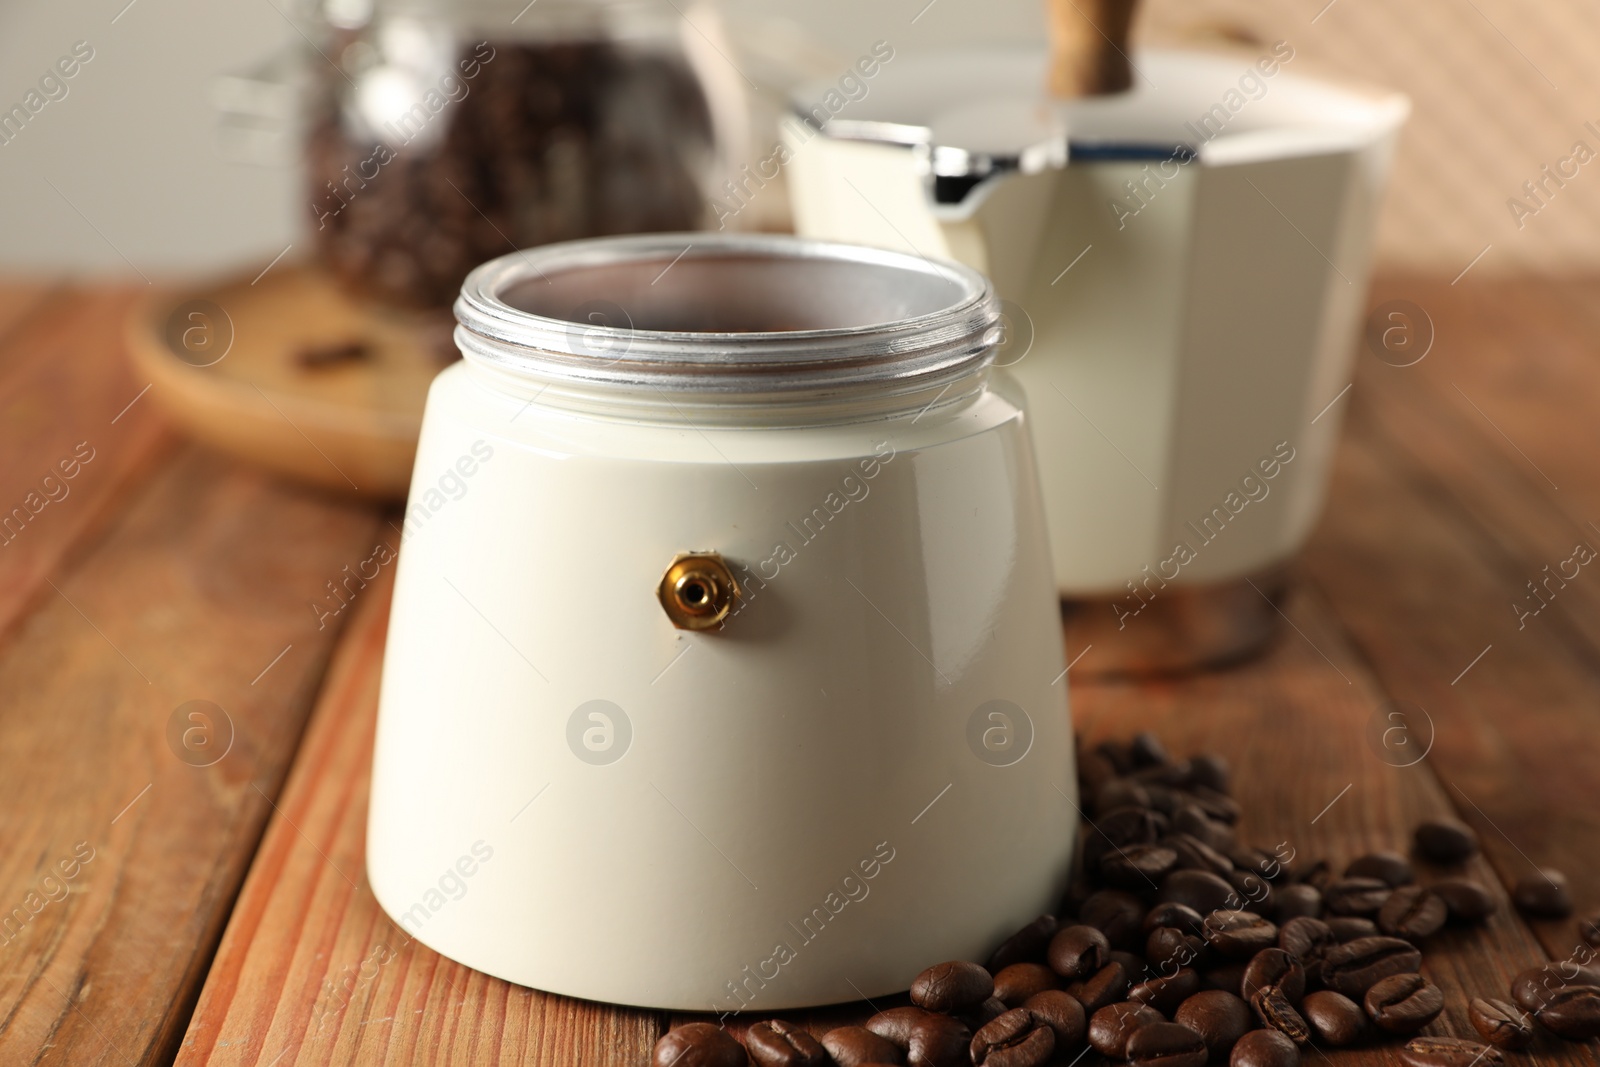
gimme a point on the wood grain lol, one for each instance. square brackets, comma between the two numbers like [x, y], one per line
[311, 971]
[122, 860]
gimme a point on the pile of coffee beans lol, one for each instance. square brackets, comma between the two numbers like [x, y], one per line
[551, 141]
[1186, 946]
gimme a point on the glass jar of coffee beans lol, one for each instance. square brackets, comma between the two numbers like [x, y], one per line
[443, 134]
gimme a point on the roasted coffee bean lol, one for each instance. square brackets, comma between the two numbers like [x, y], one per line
[1276, 1013]
[1318, 874]
[1356, 966]
[1016, 1039]
[1121, 827]
[1501, 1024]
[1446, 841]
[1573, 1013]
[1334, 1018]
[1391, 868]
[1543, 895]
[1117, 914]
[1239, 935]
[1165, 992]
[1146, 750]
[1307, 940]
[1404, 1003]
[952, 987]
[1589, 930]
[1121, 793]
[1413, 913]
[1465, 901]
[1356, 896]
[1217, 805]
[1118, 753]
[1220, 1018]
[1449, 1052]
[1167, 1045]
[1189, 818]
[1112, 1025]
[1179, 916]
[1094, 771]
[1195, 855]
[698, 1045]
[1062, 1012]
[1350, 927]
[775, 1043]
[856, 1046]
[1027, 945]
[1018, 982]
[1298, 901]
[1533, 988]
[1201, 890]
[1106, 986]
[1077, 951]
[1254, 893]
[1138, 867]
[1229, 978]
[1274, 970]
[1210, 771]
[1132, 965]
[929, 1039]
[1264, 1048]
[1167, 949]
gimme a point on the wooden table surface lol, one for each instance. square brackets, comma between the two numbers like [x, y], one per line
[154, 911]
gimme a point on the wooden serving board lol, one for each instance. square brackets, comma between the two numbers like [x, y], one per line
[348, 424]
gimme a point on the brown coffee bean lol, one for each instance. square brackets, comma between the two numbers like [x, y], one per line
[1138, 867]
[698, 1045]
[1391, 868]
[1335, 1018]
[929, 1039]
[1318, 874]
[1543, 895]
[1133, 966]
[1112, 1025]
[1499, 1023]
[856, 1046]
[1239, 935]
[1201, 890]
[1350, 927]
[984, 1014]
[1307, 940]
[1254, 893]
[1121, 827]
[1027, 945]
[1077, 951]
[1465, 901]
[1117, 753]
[1356, 896]
[1404, 1003]
[1264, 1048]
[1217, 805]
[1274, 970]
[1020, 981]
[775, 1043]
[1589, 930]
[1277, 1013]
[1446, 841]
[1533, 988]
[1219, 1017]
[1167, 949]
[952, 987]
[1062, 1012]
[1573, 1013]
[1178, 916]
[1298, 901]
[1413, 913]
[1195, 855]
[1117, 914]
[1121, 793]
[1449, 1052]
[1016, 1039]
[1189, 818]
[1210, 771]
[1166, 1044]
[1165, 992]
[1106, 986]
[1356, 966]
[1229, 978]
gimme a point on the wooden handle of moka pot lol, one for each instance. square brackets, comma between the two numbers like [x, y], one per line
[1089, 47]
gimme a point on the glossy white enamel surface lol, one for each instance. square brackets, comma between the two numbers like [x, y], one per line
[1173, 351]
[825, 727]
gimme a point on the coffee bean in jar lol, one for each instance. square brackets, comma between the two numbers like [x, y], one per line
[442, 137]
